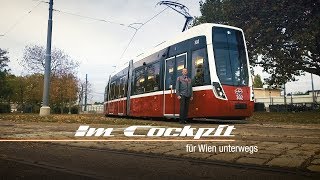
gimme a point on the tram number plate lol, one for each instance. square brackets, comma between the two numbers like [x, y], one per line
[240, 106]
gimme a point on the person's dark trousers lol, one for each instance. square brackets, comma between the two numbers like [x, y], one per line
[184, 108]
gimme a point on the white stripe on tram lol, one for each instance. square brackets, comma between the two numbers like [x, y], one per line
[198, 88]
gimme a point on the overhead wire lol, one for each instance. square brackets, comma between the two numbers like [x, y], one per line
[137, 29]
[19, 20]
[106, 21]
[92, 18]
[134, 34]
[62, 12]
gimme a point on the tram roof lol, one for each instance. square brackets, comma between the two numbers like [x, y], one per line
[192, 32]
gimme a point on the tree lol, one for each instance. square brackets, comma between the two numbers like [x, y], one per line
[64, 91]
[34, 60]
[4, 72]
[4, 60]
[81, 94]
[27, 91]
[257, 82]
[285, 34]
[34, 91]
[18, 90]
[63, 85]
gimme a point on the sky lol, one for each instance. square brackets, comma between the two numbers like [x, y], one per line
[98, 45]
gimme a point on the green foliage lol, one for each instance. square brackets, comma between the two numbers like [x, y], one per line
[257, 82]
[5, 108]
[284, 33]
[65, 110]
[4, 71]
[29, 108]
[74, 109]
[26, 91]
[299, 93]
[4, 60]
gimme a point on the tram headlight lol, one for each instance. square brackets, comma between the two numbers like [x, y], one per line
[218, 91]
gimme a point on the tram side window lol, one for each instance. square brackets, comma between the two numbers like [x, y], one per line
[123, 90]
[106, 93]
[112, 86]
[139, 81]
[200, 70]
[153, 77]
[116, 89]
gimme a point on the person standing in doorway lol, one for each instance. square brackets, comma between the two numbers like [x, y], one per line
[184, 94]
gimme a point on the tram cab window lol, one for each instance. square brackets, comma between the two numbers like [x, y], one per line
[106, 89]
[230, 56]
[139, 81]
[200, 70]
[153, 77]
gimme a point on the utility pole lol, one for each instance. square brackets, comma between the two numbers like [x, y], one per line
[45, 109]
[313, 96]
[81, 99]
[86, 94]
[270, 96]
[284, 94]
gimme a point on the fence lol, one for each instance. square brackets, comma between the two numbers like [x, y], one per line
[293, 103]
[94, 108]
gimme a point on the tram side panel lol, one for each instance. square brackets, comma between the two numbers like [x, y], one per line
[147, 106]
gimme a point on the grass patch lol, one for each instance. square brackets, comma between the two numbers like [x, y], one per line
[258, 117]
[286, 117]
[80, 119]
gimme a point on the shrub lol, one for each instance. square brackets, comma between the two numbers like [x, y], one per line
[5, 108]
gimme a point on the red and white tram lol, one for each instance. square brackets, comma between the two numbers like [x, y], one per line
[217, 61]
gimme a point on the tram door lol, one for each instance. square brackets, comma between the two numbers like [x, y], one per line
[111, 106]
[122, 95]
[173, 69]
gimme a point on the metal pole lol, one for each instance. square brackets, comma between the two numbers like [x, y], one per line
[284, 94]
[86, 94]
[270, 99]
[313, 96]
[45, 109]
[285, 97]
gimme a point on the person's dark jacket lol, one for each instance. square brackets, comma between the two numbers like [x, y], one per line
[184, 86]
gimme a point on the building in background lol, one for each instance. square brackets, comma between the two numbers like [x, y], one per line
[276, 97]
[96, 108]
[265, 92]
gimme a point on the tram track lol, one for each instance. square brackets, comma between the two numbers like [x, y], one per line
[47, 166]
[198, 161]
[88, 173]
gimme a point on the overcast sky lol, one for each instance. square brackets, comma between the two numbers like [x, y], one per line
[97, 45]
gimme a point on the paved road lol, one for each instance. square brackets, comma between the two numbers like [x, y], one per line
[280, 145]
[12, 169]
[46, 160]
